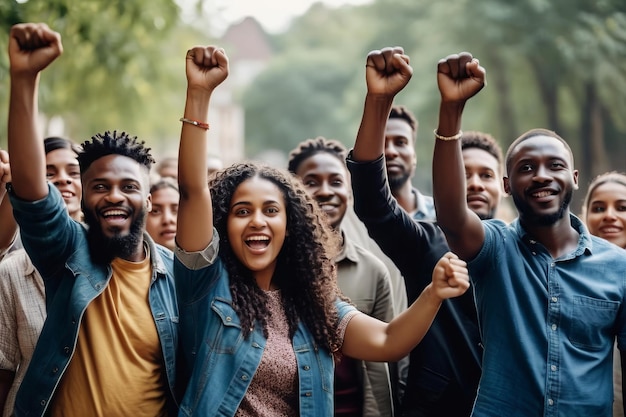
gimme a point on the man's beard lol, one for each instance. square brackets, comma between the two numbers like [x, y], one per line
[104, 249]
[542, 219]
[397, 181]
[487, 216]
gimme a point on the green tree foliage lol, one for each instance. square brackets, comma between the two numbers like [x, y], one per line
[122, 68]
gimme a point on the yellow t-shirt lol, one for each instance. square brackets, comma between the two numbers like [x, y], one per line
[117, 368]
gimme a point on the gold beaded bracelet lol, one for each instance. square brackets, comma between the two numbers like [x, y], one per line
[454, 137]
[202, 125]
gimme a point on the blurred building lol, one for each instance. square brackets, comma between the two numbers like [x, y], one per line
[249, 50]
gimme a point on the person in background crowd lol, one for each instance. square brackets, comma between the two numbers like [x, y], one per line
[22, 295]
[161, 221]
[604, 213]
[361, 388]
[444, 368]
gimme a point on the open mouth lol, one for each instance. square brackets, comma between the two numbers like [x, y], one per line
[257, 242]
[114, 216]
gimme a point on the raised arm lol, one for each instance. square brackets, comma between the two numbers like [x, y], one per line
[369, 339]
[206, 68]
[32, 47]
[387, 72]
[8, 226]
[459, 78]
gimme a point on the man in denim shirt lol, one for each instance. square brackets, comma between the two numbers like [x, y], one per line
[108, 344]
[549, 295]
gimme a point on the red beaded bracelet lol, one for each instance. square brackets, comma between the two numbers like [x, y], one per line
[202, 125]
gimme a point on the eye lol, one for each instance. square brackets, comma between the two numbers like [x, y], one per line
[155, 211]
[241, 212]
[557, 165]
[597, 209]
[130, 187]
[310, 183]
[49, 174]
[99, 187]
[621, 207]
[272, 210]
[74, 174]
[526, 168]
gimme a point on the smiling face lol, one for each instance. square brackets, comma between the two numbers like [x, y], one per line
[606, 212]
[325, 179]
[257, 226]
[115, 202]
[161, 221]
[63, 172]
[484, 186]
[541, 179]
[400, 159]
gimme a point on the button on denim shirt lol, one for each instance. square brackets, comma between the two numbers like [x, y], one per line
[220, 362]
[548, 325]
[58, 248]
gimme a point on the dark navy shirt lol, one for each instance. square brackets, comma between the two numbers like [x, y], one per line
[445, 367]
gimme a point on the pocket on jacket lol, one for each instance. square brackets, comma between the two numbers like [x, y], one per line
[591, 320]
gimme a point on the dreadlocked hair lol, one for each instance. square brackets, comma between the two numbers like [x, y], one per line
[311, 147]
[107, 143]
[305, 270]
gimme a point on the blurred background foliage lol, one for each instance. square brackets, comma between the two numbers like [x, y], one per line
[558, 64]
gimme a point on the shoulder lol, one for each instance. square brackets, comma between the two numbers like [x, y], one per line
[16, 262]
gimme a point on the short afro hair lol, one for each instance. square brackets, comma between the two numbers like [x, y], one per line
[107, 143]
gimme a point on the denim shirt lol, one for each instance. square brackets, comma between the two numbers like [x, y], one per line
[548, 325]
[58, 247]
[219, 361]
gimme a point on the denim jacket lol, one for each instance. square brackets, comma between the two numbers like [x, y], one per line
[220, 362]
[58, 248]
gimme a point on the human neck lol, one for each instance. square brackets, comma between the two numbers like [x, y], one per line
[405, 197]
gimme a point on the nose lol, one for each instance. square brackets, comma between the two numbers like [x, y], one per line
[61, 178]
[324, 190]
[169, 217]
[390, 150]
[258, 219]
[542, 175]
[610, 214]
[114, 195]
[474, 182]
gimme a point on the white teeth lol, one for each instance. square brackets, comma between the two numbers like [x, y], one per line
[542, 194]
[327, 207]
[114, 213]
[66, 195]
[258, 238]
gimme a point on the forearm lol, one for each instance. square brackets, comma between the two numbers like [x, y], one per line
[449, 184]
[28, 166]
[370, 339]
[195, 226]
[370, 140]
[409, 328]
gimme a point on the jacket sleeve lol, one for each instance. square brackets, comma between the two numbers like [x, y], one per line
[413, 246]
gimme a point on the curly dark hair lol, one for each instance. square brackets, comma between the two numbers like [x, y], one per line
[107, 143]
[305, 270]
[486, 142]
[399, 111]
[310, 147]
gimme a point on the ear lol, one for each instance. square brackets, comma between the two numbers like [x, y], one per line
[575, 175]
[507, 186]
[149, 203]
